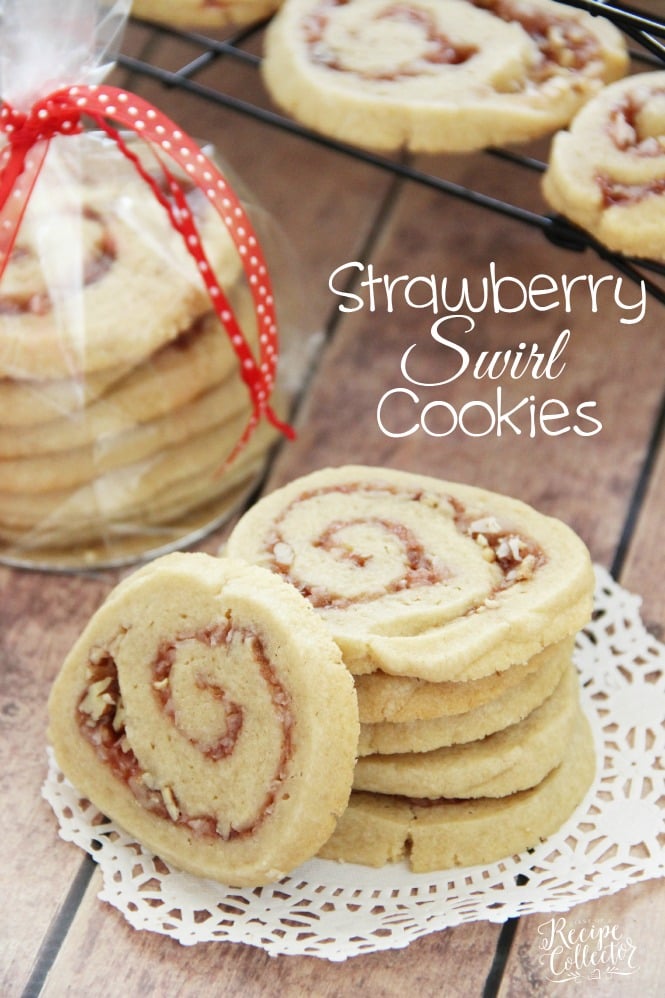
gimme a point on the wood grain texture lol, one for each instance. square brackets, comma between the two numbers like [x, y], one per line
[40, 617]
[145, 964]
[643, 568]
[534, 968]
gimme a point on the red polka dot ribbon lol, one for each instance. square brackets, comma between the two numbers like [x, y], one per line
[60, 113]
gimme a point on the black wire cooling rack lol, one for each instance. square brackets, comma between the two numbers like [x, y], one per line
[646, 35]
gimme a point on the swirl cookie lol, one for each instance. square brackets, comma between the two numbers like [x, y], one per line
[513, 759]
[60, 299]
[377, 829]
[512, 706]
[419, 577]
[203, 13]
[607, 173]
[437, 75]
[400, 700]
[206, 710]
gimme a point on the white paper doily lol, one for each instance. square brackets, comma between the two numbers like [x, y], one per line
[334, 911]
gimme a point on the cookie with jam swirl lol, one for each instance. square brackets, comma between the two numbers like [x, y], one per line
[419, 577]
[205, 708]
[98, 278]
[607, 172]
[437, 75]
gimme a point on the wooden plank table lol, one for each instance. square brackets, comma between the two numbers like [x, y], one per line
[334, 209]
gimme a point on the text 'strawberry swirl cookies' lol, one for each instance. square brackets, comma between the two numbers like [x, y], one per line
[437, 75]
[607, 173]
[419, 577]
[204, 13]
[439, 834]
[206, 709]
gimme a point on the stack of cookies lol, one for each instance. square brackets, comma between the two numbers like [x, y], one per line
[209, 709]
[456, 610]
[119, 389]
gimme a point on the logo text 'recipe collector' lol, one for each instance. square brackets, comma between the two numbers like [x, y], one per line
[455, 306]
[584, 952]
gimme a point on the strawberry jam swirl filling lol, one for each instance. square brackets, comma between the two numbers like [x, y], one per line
[100, 251]
[436, 48]
[516, 555]
[100, 716]
[233, 712]
[98, 260]
[563, 43]
[628, 136]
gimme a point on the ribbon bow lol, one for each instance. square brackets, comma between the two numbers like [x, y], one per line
[27, 139]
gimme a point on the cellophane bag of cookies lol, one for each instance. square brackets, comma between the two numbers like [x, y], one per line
[143, 381]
